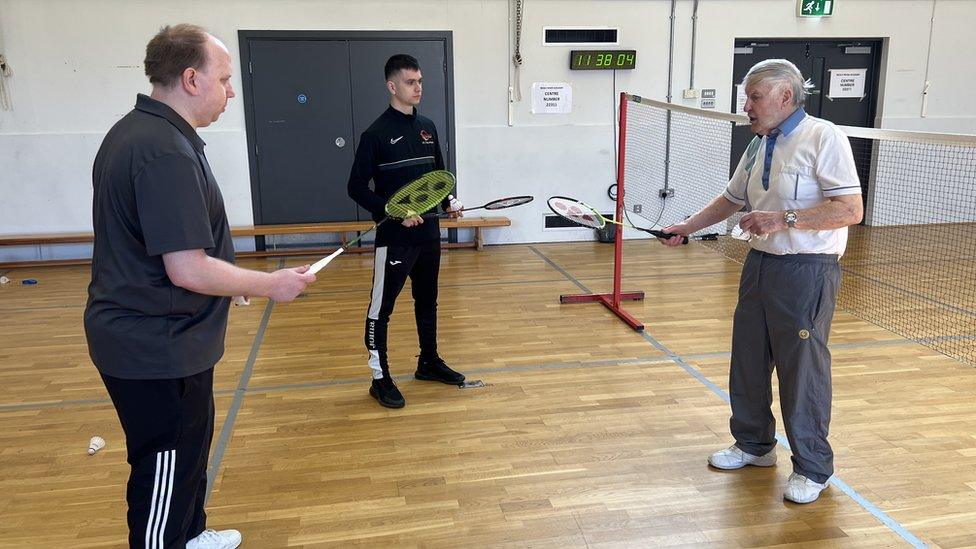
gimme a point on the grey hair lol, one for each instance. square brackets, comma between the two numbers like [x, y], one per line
[780, 72]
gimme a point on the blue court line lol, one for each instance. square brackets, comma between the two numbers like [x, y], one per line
[562, 271]
[877, 513]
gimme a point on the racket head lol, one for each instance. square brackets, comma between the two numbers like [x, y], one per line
[576, 211]
[420, 195]
[509, 202]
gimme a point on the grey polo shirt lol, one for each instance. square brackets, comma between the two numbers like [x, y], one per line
[154, 193]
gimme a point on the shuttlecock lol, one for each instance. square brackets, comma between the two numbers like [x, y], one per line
[240, 300]
[4, 280]
[95, 444]
[455, 203]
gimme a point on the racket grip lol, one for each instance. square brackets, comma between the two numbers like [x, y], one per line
[664, 235]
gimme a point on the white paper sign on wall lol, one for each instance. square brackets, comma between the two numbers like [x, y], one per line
[552, 98]
[740, 98]
[847, 83]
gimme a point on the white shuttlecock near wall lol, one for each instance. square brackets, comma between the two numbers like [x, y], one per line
[95, 444]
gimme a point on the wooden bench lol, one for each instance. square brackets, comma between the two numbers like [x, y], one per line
[342, 227]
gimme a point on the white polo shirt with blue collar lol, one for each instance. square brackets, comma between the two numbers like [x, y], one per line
[798, 165]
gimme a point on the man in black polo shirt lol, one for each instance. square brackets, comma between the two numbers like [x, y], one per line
[161, 271]
[397, 148]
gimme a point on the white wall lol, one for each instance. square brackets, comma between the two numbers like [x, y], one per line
[78, 66]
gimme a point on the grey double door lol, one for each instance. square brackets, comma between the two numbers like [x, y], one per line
[307, 100]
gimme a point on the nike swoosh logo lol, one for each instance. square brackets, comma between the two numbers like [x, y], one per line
[395, 262]
[394, 141]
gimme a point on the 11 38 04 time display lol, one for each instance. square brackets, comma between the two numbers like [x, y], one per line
[592, 60]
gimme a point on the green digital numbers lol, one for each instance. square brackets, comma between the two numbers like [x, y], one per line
[602, 59]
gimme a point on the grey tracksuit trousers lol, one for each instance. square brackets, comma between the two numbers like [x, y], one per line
[786, 303]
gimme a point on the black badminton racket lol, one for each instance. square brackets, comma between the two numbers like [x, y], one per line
[499, 204]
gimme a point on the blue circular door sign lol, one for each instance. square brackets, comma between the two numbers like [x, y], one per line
[302, 98]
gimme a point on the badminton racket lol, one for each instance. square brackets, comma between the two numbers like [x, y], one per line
[585, 215]
[499, 204]
[413, 199]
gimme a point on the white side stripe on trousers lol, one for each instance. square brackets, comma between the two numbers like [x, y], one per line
[161, 498]
[379, 278]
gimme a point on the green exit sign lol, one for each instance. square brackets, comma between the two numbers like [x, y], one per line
[815, 8]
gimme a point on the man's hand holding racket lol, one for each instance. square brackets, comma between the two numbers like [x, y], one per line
[283, 286]
[680, 232]
[455, 210]
[287, 284]
[413, 220]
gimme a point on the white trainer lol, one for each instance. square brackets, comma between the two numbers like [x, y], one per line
[212, 539]
[800, 489]
[734, 458]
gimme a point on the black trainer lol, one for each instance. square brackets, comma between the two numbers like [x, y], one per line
[435, 370]
[386, 392]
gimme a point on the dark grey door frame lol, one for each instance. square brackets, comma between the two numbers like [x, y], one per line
[246, 36]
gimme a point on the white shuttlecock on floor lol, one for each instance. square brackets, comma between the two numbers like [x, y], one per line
[95, 444]
[240, 301]
[4, 280]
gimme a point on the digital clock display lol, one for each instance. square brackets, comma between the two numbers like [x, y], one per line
[594, 60]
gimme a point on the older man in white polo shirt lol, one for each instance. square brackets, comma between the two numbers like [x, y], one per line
[799, 184]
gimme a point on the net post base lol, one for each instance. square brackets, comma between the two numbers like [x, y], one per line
[607, 301]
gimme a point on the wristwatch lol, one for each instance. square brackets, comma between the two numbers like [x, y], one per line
[790, 218]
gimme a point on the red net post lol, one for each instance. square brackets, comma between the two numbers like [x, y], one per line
[612, 300]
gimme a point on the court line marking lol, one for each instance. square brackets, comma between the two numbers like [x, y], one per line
[228, 427]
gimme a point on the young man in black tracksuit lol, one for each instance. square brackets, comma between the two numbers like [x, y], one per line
[397, 148]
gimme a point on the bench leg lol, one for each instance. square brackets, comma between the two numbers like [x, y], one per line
[478, 239]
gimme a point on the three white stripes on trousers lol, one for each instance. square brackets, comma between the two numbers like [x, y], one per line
[162, 495]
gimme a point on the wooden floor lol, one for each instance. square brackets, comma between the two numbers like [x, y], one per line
[587, 434]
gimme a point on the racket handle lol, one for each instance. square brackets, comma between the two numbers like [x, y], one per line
[320, 264]
[664, 235]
